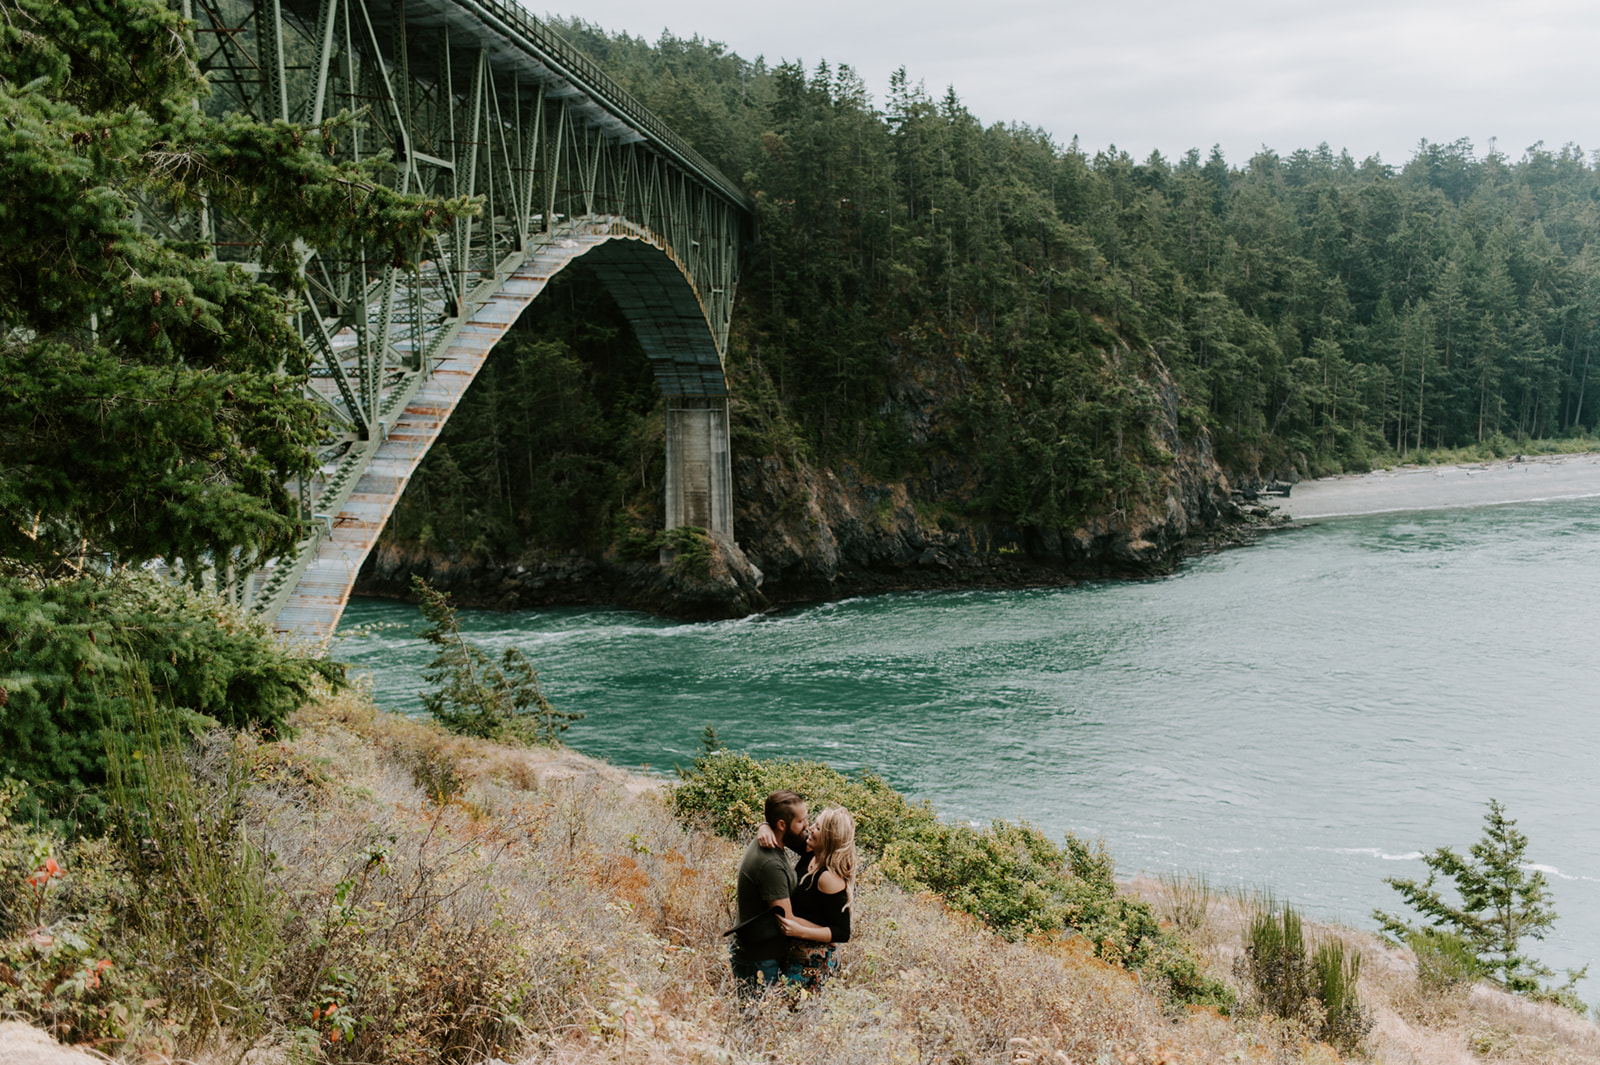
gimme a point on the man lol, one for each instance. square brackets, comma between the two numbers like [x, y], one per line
[766, 880]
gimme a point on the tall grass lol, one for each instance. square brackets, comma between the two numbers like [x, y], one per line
[1186, 903]
[1314, 991]
[202, 910]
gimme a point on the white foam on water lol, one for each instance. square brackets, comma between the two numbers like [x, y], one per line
[1372, 852]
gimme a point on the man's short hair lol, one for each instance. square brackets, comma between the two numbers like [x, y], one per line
[782, 806]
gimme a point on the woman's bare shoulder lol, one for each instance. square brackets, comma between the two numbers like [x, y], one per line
[830, 882]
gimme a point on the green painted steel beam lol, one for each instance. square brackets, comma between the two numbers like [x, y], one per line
[468, 98]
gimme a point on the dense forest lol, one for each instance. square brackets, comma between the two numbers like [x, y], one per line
[997, 320]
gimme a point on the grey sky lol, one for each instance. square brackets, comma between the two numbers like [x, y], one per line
[1373, 77]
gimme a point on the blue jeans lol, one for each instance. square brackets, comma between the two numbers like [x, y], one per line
[756, 976]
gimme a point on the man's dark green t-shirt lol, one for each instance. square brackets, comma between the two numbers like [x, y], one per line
[765, 876]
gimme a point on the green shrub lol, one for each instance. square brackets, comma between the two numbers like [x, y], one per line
[1010, 876]
[1345, 1023]
[1445, 961]
[1274, 965]
[79, 651]
[1314, 989]
[724, 790]
[1173, 973]
[690, 547]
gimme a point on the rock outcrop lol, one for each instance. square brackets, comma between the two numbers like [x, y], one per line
[808, 533]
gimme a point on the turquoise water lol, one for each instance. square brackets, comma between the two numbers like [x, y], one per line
[1305, 715]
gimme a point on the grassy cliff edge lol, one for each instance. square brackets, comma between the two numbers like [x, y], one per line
[438, 898]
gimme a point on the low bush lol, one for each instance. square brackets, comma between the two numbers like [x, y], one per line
[1010, 876]
[1345, 1022]
[388, 965]
[1274, 965]
[1313, 990]
[63, 904]
[79, 652]
[723, 791]
[1445, 961]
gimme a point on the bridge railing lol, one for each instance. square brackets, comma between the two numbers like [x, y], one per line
[582, 70]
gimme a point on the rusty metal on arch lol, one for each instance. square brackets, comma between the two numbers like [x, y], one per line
[474, 98]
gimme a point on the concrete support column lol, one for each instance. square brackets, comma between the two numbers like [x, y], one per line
[699, 465]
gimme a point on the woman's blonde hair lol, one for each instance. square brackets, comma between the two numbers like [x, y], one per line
[834, 847]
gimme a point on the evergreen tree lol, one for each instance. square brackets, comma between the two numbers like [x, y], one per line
[473, 695]
[1499, 902]
[151, 396]
[150, 399]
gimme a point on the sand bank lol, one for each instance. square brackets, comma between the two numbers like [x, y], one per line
[1527, 480]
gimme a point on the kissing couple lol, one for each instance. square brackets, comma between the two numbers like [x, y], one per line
[793, 912]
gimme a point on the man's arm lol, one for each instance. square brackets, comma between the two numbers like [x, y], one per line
[775, 889]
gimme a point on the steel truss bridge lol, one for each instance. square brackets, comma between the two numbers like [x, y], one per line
[470, 98]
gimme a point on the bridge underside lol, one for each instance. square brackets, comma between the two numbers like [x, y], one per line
[475, 99]
[653, 293]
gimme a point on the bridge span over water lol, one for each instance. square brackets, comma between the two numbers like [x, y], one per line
[472, 98]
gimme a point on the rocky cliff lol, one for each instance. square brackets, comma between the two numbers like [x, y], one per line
[809, 533]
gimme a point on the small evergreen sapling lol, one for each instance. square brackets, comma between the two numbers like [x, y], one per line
[1502, 902]
[473, 695]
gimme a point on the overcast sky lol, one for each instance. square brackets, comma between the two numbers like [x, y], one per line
[1370, 76]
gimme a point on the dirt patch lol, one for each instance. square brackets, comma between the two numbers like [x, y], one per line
[22, 1044]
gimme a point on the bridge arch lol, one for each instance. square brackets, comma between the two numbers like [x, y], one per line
[471, 98]
[659, 300]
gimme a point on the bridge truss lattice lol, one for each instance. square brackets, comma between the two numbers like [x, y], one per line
[469, 98]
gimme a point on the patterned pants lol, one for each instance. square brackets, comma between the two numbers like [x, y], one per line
[810, 963]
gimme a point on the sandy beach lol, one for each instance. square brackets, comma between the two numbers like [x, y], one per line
[1528, 480]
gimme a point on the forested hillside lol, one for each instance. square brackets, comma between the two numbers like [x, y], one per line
[996, 322]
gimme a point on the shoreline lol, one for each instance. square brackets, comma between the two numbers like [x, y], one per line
[1525, 479]
[575, 581]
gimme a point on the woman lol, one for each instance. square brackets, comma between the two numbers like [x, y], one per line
[821, 899]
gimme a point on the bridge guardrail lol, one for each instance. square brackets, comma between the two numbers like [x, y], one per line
[573, 63]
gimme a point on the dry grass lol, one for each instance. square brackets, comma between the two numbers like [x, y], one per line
[1414, 1027]
[466, 900]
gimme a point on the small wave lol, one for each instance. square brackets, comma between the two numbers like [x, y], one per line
[1444, 506]
[1553, 871]
[1373, 852]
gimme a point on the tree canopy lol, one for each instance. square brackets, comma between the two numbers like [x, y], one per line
[150, 399]
[1495, 902]
[1003, 322]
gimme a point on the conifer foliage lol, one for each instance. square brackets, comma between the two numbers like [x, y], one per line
[151, 398]
[475, 696]
[1499, 903]
[149, 394]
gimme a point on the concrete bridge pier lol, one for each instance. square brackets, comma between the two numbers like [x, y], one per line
[699, 465]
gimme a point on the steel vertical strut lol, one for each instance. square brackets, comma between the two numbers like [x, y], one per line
[466, 98]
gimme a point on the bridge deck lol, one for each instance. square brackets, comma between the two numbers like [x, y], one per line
[312, 611]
